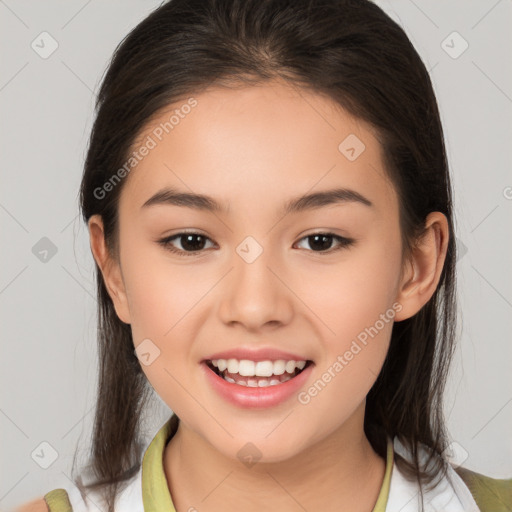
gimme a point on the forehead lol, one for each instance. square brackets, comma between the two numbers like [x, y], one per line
[270, 142]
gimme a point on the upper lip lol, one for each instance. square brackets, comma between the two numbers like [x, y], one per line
[260, 354]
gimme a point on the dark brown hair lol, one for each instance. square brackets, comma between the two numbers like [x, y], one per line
[356, 54]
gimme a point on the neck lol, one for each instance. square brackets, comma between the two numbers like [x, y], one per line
[342, 471]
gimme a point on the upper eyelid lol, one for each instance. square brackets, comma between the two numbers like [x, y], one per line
[324, 232]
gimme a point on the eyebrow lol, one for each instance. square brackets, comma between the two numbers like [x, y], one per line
[171, 196]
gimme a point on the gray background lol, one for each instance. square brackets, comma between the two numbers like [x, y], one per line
[48, 363]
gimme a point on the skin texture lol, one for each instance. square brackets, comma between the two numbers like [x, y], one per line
[254, 148]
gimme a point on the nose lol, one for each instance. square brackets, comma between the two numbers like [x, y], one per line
[255, 294]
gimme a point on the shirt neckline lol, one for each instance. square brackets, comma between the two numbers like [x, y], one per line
[155, 491]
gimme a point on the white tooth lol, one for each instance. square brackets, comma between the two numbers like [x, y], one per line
[229, 379]
[232, 365]
[290, 366]
[274, 382]
[279, 367]
[246, 368]
[242, 383]
[252, 383]
[285, 378]
[264, 368]
[263, 383]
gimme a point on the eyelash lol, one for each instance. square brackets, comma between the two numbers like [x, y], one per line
[166, 243]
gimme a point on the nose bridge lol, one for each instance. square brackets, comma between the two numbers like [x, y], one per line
[254, 295]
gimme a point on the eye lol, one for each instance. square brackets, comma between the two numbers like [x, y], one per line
[191, 243]
[322, 242]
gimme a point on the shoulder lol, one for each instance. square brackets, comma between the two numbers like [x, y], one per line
[493, 494]
[57, 499]
[37, 505]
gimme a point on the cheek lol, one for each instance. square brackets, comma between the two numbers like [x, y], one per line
[357, 306]
[353, 294]
[354, 301]
[163, 297]
[160, 292]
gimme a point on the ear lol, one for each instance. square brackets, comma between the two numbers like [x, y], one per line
[423, 270]
[110, 268]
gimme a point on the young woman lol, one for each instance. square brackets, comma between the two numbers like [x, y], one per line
[270, 212]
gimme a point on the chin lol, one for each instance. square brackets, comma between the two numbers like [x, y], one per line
[256, 448]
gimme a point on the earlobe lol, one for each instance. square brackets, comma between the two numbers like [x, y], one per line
[420, 280]
[109, 267]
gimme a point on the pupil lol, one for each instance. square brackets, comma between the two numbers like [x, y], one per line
[320, 242]
[325, 241]
[193, 246]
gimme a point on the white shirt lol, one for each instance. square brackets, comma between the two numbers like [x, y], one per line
[404, 495]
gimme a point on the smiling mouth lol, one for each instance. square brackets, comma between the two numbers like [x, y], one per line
[255, 381]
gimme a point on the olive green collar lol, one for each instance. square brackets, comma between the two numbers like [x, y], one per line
[155, 491]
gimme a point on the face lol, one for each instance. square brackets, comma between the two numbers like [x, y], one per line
[253, 280]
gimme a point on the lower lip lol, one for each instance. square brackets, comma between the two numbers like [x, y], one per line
[268, 396]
